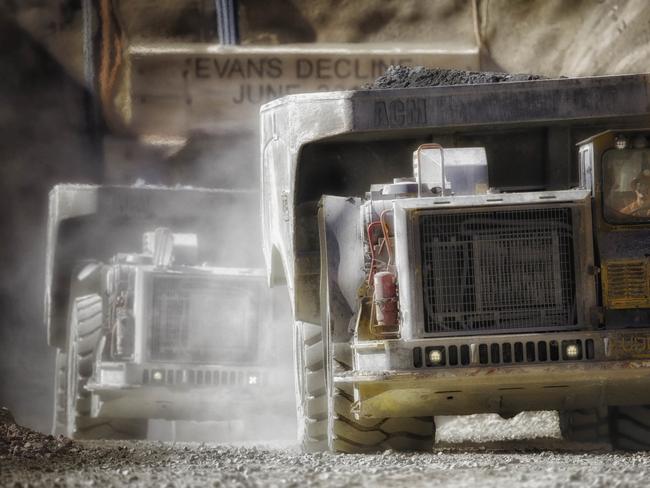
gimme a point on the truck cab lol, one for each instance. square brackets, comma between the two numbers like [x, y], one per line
[615, 167]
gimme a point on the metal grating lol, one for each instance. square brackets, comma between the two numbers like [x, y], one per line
[508, 352]
[196, 319]
[497, 270]
[626, 284]
[198, 377]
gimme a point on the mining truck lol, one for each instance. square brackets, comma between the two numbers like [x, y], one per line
[157, 304]
[460, 250]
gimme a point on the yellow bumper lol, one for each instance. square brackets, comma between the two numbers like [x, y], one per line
[503, 389]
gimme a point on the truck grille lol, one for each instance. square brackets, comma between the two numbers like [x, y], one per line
[202, 320]
[505, 352]
[201, 377]
[497, 270]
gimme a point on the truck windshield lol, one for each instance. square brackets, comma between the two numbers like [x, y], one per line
[626, 186]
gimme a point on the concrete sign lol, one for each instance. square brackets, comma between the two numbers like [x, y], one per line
[177, 89]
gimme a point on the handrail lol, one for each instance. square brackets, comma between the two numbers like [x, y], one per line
[430, 145]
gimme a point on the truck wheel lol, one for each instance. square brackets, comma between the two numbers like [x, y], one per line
[85, 331]
[60, 374]
[631, 427]
[317, 430]
[371, 435]
[586, 425]
[310, 387]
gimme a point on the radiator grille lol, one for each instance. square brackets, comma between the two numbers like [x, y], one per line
[505, 352]
[497, 270]
[196, 319]
[200, 377]
[626, 284]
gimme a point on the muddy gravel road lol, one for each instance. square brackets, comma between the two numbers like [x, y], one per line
[30, 459]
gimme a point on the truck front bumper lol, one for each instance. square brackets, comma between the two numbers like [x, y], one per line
[187, 392]
[617, 372]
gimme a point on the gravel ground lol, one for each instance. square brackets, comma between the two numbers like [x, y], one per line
[30, 459]
[529, 464]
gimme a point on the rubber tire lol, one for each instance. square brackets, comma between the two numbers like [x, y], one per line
[631, 427]
[78, 287]
[311, 401]
[85, 331]
[340, 431]
[351, 435]
[586, 425]
[60, 377]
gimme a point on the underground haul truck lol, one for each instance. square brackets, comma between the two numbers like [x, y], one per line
[156, 302]
[464, 249]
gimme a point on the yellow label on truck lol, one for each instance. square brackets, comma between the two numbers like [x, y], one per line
[629, 346]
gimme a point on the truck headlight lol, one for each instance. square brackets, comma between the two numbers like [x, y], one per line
[620, 141]
[572, 350]
[435, 356]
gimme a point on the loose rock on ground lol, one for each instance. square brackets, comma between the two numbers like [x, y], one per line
[49, 461]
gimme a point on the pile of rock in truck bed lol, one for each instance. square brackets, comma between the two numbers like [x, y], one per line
[419, 77]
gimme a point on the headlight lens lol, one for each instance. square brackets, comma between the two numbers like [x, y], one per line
[571, 350]
[435, 356]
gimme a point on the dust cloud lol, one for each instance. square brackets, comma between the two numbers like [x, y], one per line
[46, 139]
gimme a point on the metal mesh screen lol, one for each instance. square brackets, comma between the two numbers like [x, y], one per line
[200, 319]
[497, 270]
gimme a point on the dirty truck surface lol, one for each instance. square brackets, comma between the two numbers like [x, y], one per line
[31, 459]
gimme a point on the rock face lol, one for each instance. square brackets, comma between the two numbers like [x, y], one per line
[405, 77]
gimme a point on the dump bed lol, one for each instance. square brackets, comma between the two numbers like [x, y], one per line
[340, 143]
[89, 222]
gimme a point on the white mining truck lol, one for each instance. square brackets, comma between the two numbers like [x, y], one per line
[500, 266]
[156, 303]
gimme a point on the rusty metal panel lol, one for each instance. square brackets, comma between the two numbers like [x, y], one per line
[626, 283]
[500, 390]
[502, 103]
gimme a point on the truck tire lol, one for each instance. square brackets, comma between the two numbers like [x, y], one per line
[626, 428]
[85, 331]
[60, 373]
[350, 435]
[320, 429]
[631, 427]
[589, 425]
[310, 387]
